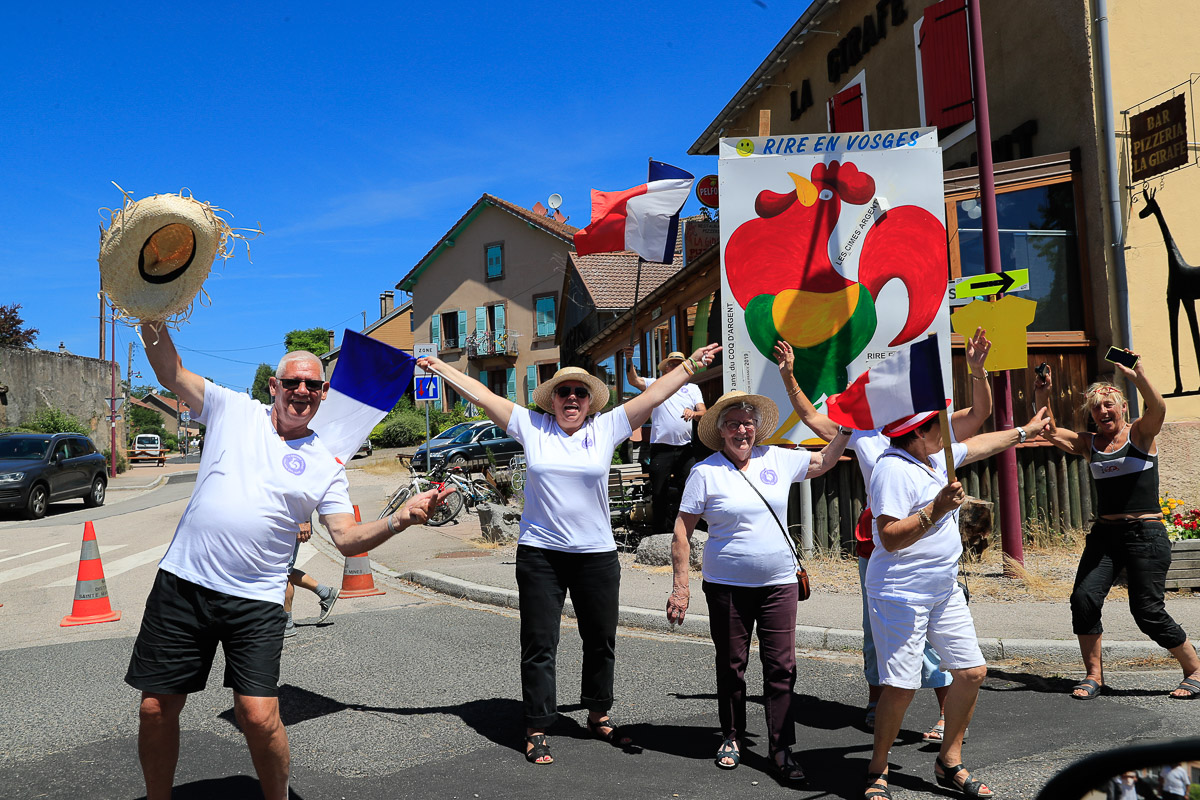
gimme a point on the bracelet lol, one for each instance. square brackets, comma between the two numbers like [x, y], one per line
[391, 530]
[844, 431]
[924, 519]
[982, 377]
[688, 368]
[794, 392]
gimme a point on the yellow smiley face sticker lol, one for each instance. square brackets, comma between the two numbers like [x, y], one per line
[745, 147]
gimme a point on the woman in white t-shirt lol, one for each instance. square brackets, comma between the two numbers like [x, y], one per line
[566, 542]
[749, 563]
[912, 587]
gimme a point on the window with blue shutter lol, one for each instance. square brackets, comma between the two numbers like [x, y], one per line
[495, 261]
[462, 328]
[483, 377]
[480, 319]
[435, 331]
[531, 382]
[511, 375]
[545, 317]
[499, 319]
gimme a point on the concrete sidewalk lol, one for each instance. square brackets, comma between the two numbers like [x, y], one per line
[450, 560]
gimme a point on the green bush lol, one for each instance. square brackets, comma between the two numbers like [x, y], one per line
[122, 464]
[403, 431]
[52, 420]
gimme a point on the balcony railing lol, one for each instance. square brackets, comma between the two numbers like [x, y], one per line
[448, 343]
[483, 344]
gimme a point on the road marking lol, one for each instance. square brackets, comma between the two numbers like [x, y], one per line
[307, 551]
[50, 563]
[39, 550]
[122, 564]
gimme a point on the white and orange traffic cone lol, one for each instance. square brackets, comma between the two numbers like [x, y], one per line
[357, 578]
[91, 592]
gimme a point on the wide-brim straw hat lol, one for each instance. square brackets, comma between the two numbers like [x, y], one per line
[768, 414]
[597, 391]
[672, 356]
[157, 252]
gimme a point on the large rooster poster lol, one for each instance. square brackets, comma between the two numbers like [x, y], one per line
[837, 244]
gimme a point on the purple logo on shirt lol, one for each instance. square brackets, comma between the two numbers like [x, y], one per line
[293, 464]
[768, 477]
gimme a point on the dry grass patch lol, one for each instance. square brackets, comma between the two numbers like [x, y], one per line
[391, 466]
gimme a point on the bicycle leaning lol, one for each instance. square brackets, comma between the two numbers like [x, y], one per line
[469, 493]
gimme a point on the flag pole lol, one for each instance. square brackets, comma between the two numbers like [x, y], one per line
[637, 288]
[944, 421]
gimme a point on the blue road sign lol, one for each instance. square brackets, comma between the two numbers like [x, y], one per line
[428, 387]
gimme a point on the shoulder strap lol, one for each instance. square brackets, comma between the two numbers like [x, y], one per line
[783, 530]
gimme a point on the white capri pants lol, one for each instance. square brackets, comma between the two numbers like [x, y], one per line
[900, 628]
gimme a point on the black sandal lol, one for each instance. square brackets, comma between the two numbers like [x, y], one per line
[789, 771]
[539, 750]
[1090, 687]
[613, 737]
[1189, 685]
[728, 750]
[970, 787]
[874, 790]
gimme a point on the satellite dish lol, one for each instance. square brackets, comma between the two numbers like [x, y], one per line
[554, 201]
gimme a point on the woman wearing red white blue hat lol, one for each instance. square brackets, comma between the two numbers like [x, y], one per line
[912, 587]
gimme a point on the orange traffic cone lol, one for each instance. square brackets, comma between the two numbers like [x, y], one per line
[91, 592]
[357, 578]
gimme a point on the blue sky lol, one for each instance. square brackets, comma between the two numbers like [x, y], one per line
[356, 134]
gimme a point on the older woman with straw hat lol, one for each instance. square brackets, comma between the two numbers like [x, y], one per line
[913, 591]
[750, 563]
[566, 542]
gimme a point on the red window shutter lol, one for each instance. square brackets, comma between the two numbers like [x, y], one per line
[846, 111]
[946, 65]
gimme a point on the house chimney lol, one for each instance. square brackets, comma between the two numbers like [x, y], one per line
[331, 335]
[388, 303]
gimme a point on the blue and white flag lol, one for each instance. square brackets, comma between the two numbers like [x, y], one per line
[369, 379]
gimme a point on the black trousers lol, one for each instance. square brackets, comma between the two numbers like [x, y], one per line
[543, 579]
[1144, 550]
[669, 468]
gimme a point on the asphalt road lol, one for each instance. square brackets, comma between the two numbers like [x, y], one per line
[411, 694]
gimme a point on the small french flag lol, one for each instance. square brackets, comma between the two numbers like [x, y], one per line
[644, 219]
[907, 383]
[369, 379]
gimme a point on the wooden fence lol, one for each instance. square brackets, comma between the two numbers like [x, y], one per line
[1053, 488]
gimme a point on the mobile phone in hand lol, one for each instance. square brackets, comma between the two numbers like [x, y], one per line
[1118, 356]
[1042, 370]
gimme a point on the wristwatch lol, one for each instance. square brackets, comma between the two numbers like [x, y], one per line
[842, 429]
[1021, 436]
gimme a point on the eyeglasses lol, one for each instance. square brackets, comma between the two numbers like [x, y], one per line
[566, 391]
[733, 426]
[292, 384]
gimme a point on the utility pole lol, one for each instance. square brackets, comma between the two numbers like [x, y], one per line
[103, 313]
[112, 405]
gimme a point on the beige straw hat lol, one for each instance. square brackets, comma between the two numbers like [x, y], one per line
[157, 252]
[674, 355]
[768, 414]
[596, 389]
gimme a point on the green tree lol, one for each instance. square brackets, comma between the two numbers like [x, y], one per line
[142, 420]
[314, 340]
[260, 389]
[13, 331]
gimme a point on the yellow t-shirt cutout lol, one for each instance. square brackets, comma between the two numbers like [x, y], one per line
[1005, 322]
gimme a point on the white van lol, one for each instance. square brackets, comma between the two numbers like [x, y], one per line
[147, 447]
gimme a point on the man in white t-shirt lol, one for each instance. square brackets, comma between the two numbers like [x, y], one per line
[671, 453]
[262, 472]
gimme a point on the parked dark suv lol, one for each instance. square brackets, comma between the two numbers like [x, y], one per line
[475, 443]
[37, 469]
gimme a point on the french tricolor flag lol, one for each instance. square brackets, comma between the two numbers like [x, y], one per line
[907, 383]
[369, 379]
[644, 219]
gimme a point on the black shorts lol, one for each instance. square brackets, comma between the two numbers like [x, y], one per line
[184, 622]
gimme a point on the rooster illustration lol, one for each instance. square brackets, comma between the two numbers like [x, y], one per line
[779, 269]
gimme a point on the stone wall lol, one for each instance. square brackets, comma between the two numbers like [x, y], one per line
[1178, 449]
[77, 385]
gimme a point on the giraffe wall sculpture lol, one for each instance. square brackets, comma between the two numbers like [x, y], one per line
[1183, 287]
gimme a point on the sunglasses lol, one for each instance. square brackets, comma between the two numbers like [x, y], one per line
[566, 391]
[292, 384]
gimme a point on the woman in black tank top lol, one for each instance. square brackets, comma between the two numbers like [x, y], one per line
[1128, 532]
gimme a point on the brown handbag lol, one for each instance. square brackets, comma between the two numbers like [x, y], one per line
[804, 590]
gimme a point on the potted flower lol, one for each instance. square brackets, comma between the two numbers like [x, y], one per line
[1183, 526]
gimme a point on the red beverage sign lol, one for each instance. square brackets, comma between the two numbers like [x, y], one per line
[706, 191]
